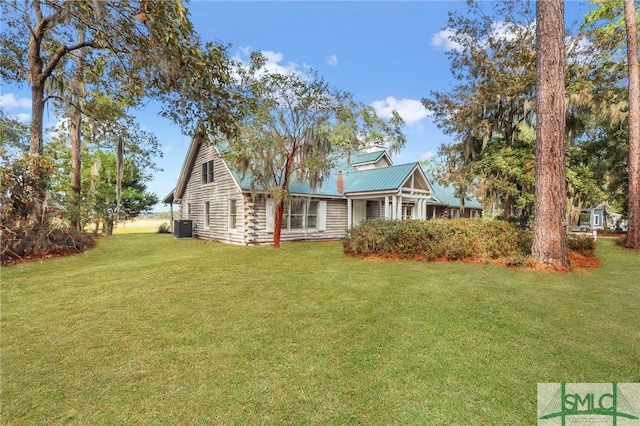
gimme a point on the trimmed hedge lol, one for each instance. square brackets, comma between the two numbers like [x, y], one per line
[582, 244]
[446, 239]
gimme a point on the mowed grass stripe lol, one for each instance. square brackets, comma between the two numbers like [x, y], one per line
[153, 330]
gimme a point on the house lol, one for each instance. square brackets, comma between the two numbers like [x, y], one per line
[217, 199]
[600, 218]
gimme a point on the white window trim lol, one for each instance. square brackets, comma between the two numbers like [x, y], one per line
[229, 223]
[207, 215]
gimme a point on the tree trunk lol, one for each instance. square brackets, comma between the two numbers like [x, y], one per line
[549, 234]
[37, 118]
[508, 207]
[120, 175]
[76, 165]
[277, 225]
[279, 213]
[108, 224]
[76, 136]
[633, 214]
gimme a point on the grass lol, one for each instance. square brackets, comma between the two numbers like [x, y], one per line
[147, 329]
[140, 226]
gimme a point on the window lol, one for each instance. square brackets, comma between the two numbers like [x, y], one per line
[207, 172]
[300, 215]
[312, 215]
[188, 210]
[596, 219]
[207, 217]
[233, 214]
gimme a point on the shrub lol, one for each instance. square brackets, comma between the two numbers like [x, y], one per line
[24, 242]
[164, 228]
[582, 244]
[433, 239]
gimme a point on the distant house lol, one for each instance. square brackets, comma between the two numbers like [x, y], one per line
[217, 199]
[600, 218]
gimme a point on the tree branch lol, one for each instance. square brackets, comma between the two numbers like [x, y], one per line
[55, 59]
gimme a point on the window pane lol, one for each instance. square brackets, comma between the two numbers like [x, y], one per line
[297, 207]
[232, 214]
[313, 208]
[296, 222]
[210, 171]
[312, 222]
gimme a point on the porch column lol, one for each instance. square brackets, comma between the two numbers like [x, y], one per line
[394, 207]
[386, 207]
[399, 211]
[171, 217]
[349, 213]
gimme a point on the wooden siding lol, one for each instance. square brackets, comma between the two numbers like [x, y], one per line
[217, 193]
[336, 221]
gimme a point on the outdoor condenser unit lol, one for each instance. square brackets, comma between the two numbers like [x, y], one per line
[183, 228]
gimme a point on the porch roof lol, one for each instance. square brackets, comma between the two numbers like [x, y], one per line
[446, 194]
[379, 179]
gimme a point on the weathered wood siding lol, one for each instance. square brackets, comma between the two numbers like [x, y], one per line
[336, 224]
[217, 193]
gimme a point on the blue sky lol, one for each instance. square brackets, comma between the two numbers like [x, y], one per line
[387, 54]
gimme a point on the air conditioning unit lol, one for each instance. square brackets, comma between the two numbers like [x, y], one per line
[183, 228]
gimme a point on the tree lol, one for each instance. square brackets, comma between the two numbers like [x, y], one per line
[119, 157]
[14, 136]
[607, 26]
[112, 205]
[494, 62]
[137, 48]
[300, 125]
[633, 233]
[549, 234]
[152, 46]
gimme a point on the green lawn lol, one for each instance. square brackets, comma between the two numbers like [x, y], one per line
[147, 329]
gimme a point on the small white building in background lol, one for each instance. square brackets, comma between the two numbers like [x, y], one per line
[601, 218]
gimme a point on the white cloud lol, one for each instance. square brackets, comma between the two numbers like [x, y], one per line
[166, 149]
[332, 60]
[273, 61]
[500, 30]
[21, 117]
[427, 155]
[444, 40]
[410, 110]
[10, 101]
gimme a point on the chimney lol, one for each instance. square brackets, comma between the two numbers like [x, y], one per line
[340, 183]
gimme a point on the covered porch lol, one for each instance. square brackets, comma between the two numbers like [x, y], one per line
[401, 205]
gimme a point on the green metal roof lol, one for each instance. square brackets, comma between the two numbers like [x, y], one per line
[388, 178]
[379, 179]
[446, 194]
[366, 157]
